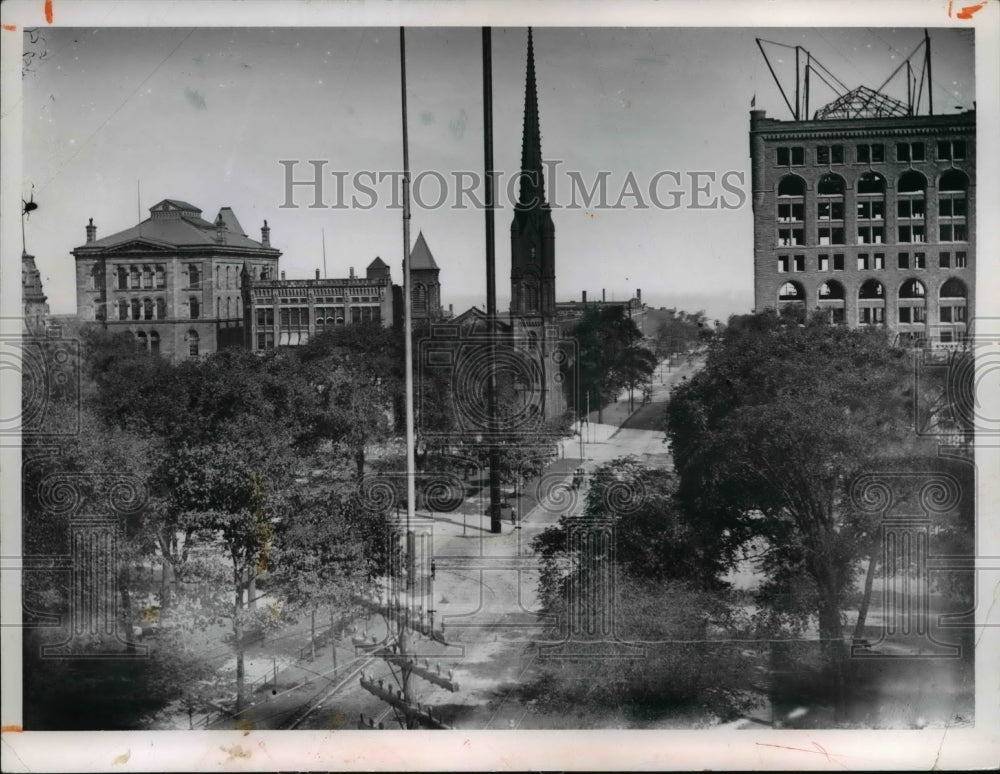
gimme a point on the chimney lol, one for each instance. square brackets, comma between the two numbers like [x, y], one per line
[91, 231]
[451, 309]
[604, 297]
[352, 272]
[317, 273]
[282, 275]
[638, 297]
[220, 230]
[265, 235]
[583, 298]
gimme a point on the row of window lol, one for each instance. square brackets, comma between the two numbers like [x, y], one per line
[293, 322]
[871, 153]
[870, 209]
[150, 342]
[910, 289]
[873, 261]
[906, 315]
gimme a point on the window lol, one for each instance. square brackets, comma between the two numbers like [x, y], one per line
[147, 277]
[133, 277]
[960, 260]
[831, 291]
[903, 261]
[782, 264]
[229, 278]
[161, 277]
[912, 314]
[951, 150]
[96, 277]
[869, 234]
[122, 309]
[823, 262]
[154, 342]
[909, 151]
[218, 278]
[229, 310]
[838, 261]
[953, 206]
[800, 263]
[419, 299]
[136, 310]
[878, 261]
[265, 328]
[122, 276]
[912, 234]
[920, 260]
[194, 276]
[830, 154]
[194, 308]
[830, 209]
[910, 206]
[791, 291]
[791, 157]
[789, 212]
[872, 315]
[218, 307]
[873, 153]
[871, 209]
[193, 343]
[790, 236]
[141, 341]
[147, 309]
[912, 288]
[161, 308]
[862, 261]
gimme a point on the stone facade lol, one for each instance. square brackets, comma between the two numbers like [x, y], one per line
[871, 220]
[172, 282]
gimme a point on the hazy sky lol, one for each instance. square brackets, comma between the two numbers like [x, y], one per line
[205, 115]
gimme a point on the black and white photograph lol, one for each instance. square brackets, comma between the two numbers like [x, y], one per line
[404, 386]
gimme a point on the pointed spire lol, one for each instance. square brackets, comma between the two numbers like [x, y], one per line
[532, 194]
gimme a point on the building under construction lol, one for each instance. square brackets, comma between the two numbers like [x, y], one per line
[866, 210]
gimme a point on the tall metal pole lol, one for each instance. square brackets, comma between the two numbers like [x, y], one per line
[491, 289]
[408, 332]
[930, 79]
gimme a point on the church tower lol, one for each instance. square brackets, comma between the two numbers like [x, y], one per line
[532, 234]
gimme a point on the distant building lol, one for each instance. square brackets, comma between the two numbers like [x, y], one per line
[36, 307]
[425, 300]
[867, 215]
[282, 313]
[172, 282]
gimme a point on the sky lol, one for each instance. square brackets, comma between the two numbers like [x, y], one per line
[117, 119]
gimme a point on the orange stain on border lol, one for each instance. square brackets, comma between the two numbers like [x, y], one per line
[48, 11]
[968, 10]
[10, 27]
[12, 729]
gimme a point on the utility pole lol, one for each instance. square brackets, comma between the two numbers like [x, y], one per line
[491, 289]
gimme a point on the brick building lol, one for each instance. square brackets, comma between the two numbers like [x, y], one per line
[870, 219]
[282, 313]
[172, 281]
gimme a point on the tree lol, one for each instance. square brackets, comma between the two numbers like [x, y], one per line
[768, 437]
[610, 356]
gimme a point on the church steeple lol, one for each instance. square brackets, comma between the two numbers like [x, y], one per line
[532, 233]
[532, 193]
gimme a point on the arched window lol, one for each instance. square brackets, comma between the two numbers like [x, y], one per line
[193, 343]
[419, 299]
[791, 291]
[871, 209]
[953, 207]
[871, 303]
[122, 309]
[218, 307]
[161, 308]
[833, 301]
[96, 277]
[147, 277]
[161, 276]
[830, 209]
[953, 302]
[147, 309]
[530, 297]
[154, 342]
[229, 277]
[831, 290]
[229, 310]
[218, 279]
[194, 308]
[133, 276]
[122, 274]
[912, 288]
[911, 206]
[136, 310]
[141, 341]
[791, 210]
